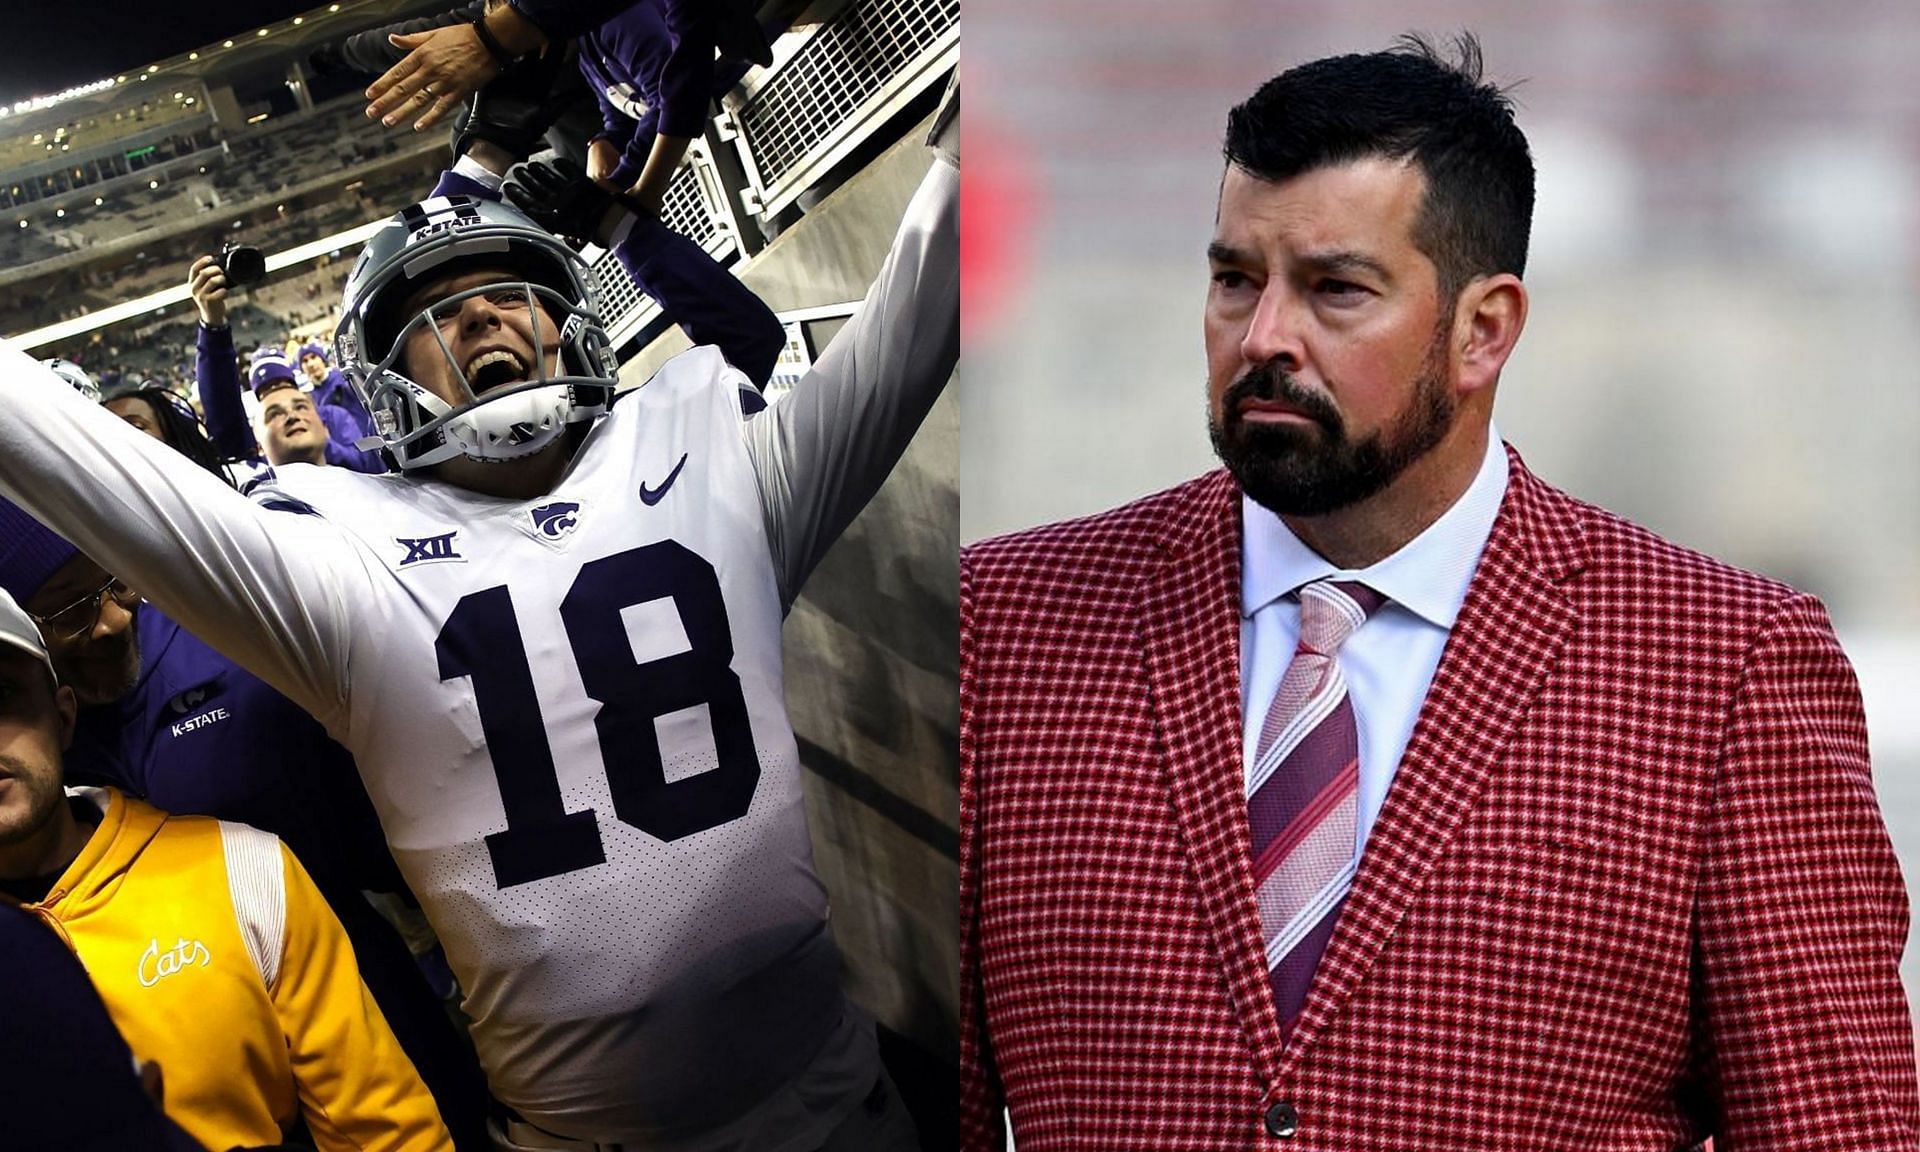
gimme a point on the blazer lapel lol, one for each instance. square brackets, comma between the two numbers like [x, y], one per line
[1509, 632]
[1190, 624]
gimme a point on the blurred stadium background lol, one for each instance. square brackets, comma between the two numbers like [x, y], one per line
[111, 185]
[1726, 320]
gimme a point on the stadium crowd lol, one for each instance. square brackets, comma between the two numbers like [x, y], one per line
[396, 779]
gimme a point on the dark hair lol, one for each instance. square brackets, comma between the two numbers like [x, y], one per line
[1405, 103]
[179, 427]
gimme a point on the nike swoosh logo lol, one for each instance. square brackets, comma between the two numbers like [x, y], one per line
[651, 496]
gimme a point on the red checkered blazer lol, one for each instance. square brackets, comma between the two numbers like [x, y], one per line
[1630, 887]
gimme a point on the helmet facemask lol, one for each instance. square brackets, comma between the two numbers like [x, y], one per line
[497, 421]
[571, 380]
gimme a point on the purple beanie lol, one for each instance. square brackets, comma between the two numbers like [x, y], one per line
[269, 368]
[314, 349]
[29, 552]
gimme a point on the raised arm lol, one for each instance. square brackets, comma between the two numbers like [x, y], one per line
[710, 304]
[605, 150]
[215, 370]
[275, 593]
[822, 450]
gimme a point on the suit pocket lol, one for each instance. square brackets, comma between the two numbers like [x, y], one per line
[1604, 919]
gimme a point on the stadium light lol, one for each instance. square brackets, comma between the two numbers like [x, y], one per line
[299, 20]
[262, 32]
[39, 102]
[60, 213]
[152, 68]
[227, 44]
[193, 55]
[99, 200]
[23, 223]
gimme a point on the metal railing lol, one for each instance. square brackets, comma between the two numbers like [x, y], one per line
[787, 126]
[849, 77]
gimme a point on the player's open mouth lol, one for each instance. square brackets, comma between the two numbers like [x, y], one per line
[496, 369]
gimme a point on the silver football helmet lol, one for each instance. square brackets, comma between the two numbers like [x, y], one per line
[431, 243]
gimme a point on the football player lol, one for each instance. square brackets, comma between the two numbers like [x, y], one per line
[552, 642]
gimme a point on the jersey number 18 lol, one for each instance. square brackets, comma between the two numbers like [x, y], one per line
[481, 640]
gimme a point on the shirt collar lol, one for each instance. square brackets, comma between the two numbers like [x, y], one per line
[1428, 576]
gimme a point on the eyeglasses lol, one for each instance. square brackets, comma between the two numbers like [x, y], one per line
[79, 618]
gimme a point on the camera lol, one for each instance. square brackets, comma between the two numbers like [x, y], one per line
[243, 264]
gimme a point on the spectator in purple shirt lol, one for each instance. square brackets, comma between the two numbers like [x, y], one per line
[217, 370]
[652, 68]
[329, 387]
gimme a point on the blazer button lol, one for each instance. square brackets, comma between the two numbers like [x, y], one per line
[1282, 1122]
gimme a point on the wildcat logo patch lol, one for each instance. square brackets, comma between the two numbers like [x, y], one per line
[557, 519]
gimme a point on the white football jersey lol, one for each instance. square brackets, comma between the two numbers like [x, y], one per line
[568, 710]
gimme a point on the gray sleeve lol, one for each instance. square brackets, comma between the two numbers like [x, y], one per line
[273, 592]
[822, 450]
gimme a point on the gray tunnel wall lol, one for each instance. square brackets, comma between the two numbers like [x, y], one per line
[872, 650]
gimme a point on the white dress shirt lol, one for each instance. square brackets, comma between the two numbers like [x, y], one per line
[1389, 661]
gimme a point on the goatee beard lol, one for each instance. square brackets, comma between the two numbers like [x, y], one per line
[1317, 468]
[107, 673]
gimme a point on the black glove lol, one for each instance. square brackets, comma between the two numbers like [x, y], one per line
[516, 107]
[559, 197]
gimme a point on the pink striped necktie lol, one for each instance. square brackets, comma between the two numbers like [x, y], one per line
[1303, 794]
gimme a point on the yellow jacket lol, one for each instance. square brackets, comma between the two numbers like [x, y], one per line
[218, 959]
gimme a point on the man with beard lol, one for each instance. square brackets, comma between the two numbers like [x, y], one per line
[1372, 793]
